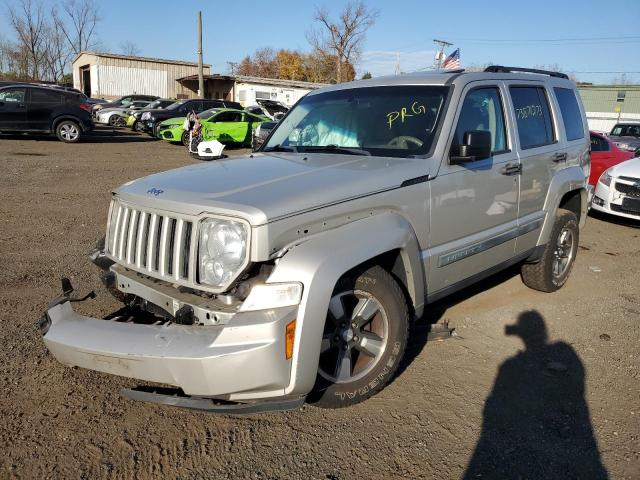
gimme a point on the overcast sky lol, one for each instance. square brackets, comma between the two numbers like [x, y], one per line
[578, 35]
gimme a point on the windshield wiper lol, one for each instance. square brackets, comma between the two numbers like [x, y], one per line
[337, 149]
[281, 148]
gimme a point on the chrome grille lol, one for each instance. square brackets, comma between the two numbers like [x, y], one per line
[159, 244]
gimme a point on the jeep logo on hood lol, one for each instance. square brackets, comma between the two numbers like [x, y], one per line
[155, 191]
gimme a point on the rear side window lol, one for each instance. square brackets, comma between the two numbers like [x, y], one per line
[533, 116]
[599, 144]
[571, 116]
[46, 96]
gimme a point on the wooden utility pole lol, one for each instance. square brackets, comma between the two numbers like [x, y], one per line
[200, 69]
[440, 55]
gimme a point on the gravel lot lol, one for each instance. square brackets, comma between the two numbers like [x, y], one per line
[565, 407]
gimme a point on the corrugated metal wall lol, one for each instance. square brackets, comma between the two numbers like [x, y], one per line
[115, 81]
[114, 77]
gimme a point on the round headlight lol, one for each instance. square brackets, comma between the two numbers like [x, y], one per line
[223, 251]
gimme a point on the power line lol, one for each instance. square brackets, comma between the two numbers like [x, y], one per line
[568, 39]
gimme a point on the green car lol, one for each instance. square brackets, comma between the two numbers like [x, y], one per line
[226, 125]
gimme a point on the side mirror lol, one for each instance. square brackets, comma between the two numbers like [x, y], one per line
[476, 145]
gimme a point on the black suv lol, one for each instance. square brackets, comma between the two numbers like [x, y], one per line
[28, 108]
[150, 119]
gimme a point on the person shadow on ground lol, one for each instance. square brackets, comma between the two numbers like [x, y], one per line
[536, 421]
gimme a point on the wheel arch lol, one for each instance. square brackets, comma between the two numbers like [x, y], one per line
[323, 259]
[568, 190]
[60, 118]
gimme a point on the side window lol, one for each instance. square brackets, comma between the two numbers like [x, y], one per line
[45, 96]
[599, 144]
[617, 131]
[571, 116]
[533, 116]
[482, 110]
[229, 117]
[13, 95]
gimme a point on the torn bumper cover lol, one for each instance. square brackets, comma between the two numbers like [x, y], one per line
[240, 361]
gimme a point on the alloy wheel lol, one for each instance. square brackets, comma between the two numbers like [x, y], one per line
[69, 132]
[355, 337]
[563, 253]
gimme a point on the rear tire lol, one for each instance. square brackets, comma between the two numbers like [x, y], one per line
[552, 271]
[364, 339]
[68, 131]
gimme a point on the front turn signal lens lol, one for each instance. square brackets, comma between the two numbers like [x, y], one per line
[289, 338]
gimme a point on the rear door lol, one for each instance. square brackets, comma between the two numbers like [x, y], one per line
[13, 109]
[541, 151]
[42, 103]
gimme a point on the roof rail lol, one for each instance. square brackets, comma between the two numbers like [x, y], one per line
[502, 69]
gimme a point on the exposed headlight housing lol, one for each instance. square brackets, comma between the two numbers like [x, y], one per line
[146, 115]
[605, 178]
[272, 295]
[222, 252]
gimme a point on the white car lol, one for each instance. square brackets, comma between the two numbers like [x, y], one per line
[116, 116]
[618, 190]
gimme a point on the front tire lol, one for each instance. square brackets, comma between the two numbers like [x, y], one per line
[68, 131]
[364, 339]
[552, 271]
[185, 138]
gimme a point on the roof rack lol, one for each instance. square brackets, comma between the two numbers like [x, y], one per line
[502, 69]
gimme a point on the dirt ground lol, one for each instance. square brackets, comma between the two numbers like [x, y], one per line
[566, 406]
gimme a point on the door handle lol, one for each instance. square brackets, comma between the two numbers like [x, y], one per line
[511, 169]
[559, 157]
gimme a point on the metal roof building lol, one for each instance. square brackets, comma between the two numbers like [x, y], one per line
[247, 90]
[109, 75]
[607, 105]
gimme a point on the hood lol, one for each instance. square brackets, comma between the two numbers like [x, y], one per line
[267, 187]
[629, 168]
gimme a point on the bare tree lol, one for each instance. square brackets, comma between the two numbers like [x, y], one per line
[342, 37]
[129, 48]
[30, 26]
[57, 53]
[82, 19]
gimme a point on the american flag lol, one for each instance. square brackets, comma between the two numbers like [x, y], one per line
[452, 62]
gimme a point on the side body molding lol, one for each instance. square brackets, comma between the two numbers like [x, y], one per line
[564, 181]
[321, 260]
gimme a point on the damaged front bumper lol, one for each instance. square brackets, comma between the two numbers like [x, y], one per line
[241, 361]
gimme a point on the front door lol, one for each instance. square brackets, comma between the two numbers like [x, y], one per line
[229, 127]
[474, 206]
[13, 109]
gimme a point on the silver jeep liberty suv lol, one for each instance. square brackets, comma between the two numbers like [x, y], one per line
[293, 274]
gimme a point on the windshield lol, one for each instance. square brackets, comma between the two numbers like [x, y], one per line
[207, 113]
[394, 121]
[157, 104]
